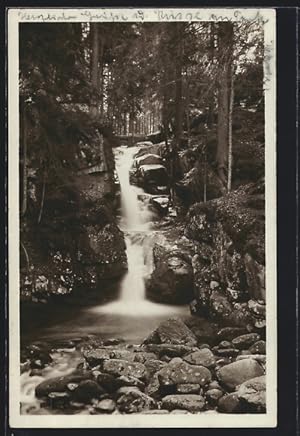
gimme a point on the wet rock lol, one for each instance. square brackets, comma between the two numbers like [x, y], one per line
[107, 381]
[188, 389]
[213, 396]
[171, 281]
[229, 403]
[58, 400]
[183, 373]
[257, 308]
[105, 406]
[227, 352]
[253, 394]
[25, 366]
[229, 333]
[258, 347]
[245, 341]
[214, 385]
[59, 384]
[202, 357]
[96, 356]
[86, 391]
[260, 358]
[144, 357]
[192, 403]
[170, 350]
[237, 372]
[153, 366]
[204, 329]
[147, 159]
[153, 388]
[161, 204]
[134, 402]
[172, 331]
[130, 381]
[124, 368]
[225, 344]
[124, 390]
[153, 178]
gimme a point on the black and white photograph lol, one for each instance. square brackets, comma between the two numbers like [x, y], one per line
[142, 249]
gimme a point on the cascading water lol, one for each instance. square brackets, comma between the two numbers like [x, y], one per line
[136, 222]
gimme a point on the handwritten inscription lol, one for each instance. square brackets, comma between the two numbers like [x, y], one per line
[139, 15]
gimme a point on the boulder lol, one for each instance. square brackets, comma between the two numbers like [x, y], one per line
[108, 382]
[243, 342]
[105, 406]
[161, 203]
[188, 388]
[190, 402]
[120, 368]
[252, 393]
[172, 331]
[171, 281]
[59, 384]
[179, 372]
[229, 403]
[232, 375]
[213, 395]
[86, 391]
[154, 178]
[258, 347]
[102, 250]
[135, 402]
[229, 333]
[147, 159]
[58, 400]
[130, 381]
[96, 356]
[202, 357]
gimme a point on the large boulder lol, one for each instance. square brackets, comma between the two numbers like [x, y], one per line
[154, 178]
[172, 278]
[172, 331]
[120, 368]
[147, 159]
[234, 374]
[252, 394]
[178, 372]
[134, 401]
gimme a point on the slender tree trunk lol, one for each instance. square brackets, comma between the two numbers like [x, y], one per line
[212, 55]
[24, 141]
[94, 65]
[231, 100]
[178, 87]
[225, 42]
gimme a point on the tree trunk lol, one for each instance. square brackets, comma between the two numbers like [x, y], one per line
[94, 66]
[178, 87]
[24, 178]
[225, 48]
[231, 100]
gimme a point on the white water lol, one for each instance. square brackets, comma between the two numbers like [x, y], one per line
[136, 223]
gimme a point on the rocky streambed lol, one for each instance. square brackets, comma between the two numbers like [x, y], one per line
[186, 365]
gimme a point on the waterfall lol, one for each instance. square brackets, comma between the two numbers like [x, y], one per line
[136, 223]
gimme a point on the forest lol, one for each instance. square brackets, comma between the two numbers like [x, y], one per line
[141, 164]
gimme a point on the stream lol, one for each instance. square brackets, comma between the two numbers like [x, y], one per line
[130, 316]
